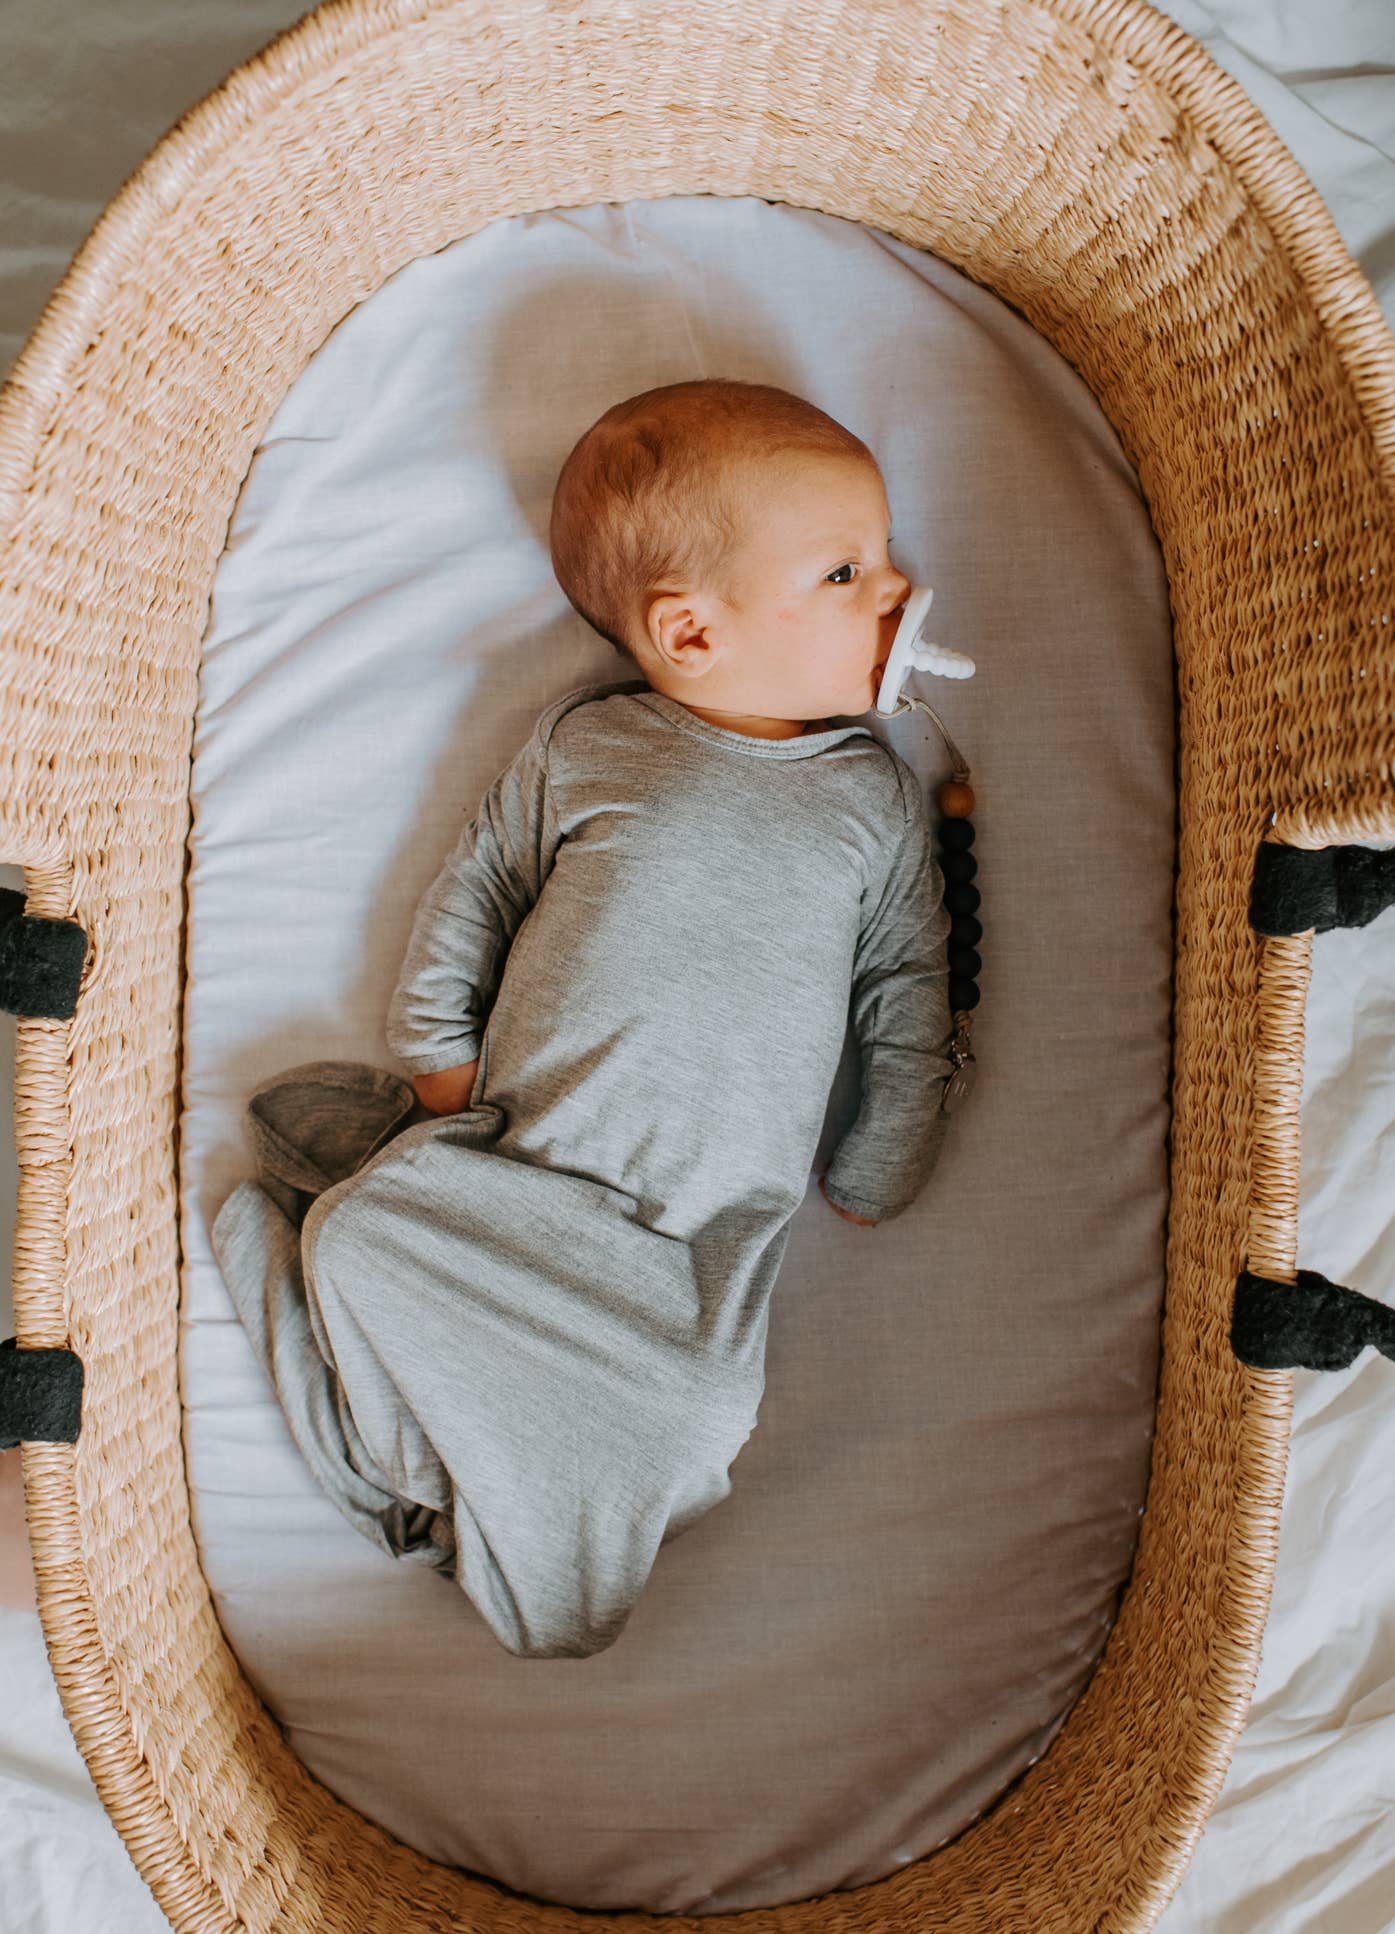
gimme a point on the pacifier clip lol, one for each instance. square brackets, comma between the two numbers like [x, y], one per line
[955, 800]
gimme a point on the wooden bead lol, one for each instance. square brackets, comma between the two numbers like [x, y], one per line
[955, 801]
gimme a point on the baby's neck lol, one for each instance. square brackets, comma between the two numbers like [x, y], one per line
[752, 727]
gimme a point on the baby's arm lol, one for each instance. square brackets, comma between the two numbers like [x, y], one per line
[866, 1221]
[900, 1007]
[448, 1091]
[464, 925]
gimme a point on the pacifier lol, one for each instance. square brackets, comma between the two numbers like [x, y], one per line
[909, 653]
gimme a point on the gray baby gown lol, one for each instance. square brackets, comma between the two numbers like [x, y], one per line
[524, 1343]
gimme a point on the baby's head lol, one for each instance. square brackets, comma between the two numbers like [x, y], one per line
[731, 540]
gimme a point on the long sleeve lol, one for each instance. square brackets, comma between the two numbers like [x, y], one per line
[468, 916]
[900, 1012]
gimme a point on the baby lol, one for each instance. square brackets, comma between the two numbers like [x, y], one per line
[689, 527]
[524, 1341]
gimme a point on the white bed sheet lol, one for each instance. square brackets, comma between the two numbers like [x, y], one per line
[1303, 1835]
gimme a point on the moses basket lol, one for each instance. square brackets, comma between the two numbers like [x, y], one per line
[1087, 162]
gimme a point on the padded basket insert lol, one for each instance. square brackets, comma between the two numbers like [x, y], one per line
[1095, 171]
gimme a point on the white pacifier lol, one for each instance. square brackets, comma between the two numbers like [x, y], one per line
[908, 654]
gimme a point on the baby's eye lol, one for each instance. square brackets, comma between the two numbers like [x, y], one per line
[832, 576]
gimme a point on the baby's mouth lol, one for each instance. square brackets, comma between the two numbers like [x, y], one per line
[893, 624]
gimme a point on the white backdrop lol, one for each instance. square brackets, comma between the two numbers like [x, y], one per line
[1302, 1840]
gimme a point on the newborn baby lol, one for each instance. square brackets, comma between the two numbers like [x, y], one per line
[529, 1337]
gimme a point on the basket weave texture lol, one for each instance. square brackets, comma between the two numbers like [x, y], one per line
[1085, 160]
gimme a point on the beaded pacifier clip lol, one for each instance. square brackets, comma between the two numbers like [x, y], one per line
[955, 800]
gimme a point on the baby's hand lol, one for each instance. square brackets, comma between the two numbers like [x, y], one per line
[863, 1222]
[448, 1091]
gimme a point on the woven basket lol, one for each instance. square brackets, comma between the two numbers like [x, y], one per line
[1089, 164]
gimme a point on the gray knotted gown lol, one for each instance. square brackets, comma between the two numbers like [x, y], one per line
[524, 1343]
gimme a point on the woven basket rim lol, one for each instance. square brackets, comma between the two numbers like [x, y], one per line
[1267, 169]
[31, 408]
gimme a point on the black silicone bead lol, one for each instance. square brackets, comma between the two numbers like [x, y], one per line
[956, 835]
[963, 994]
[965, 962]
[958, 867]
[965, 931]
[962, 899]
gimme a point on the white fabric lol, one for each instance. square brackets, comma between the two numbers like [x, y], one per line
[1301, 1835]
